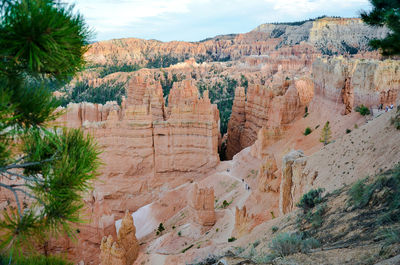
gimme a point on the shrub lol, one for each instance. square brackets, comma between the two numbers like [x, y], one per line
[348, 131]
[231, 239]
[391, 236]
[186, 249]
[160, 229]
[315, 217]
[179, 233]
[225, 204]
[385, 190]
[310, 199]
[307, 131]
[286, 244]
[363, 110]
[274, 229]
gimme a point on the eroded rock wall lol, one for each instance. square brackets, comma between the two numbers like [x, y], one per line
[201, 201]
[348, 83]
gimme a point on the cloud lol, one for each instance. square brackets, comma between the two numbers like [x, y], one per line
[192, 20]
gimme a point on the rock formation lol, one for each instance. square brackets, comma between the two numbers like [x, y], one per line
[181, 138]
[244, 222]
[348, 83]
[267, 110]
[267, 178]
[201, 201]
[236, 123]
[125, 250]
[328, 35]
[292, 167]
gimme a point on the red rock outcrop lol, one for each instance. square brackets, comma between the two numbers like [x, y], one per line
[201, 201]
[236, 123]
[267, 178]
[244, 222]
[348, 83]
[292, 166]
[125, 250]
[271, 109]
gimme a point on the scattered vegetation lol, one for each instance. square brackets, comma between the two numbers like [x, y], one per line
[385, 191]
[326, 134]
[298, 23]
[186, 249]
[225, 204]
[162, 61]
[306, 112]
[307, 131]
[274, 229]
[231, 239]
[310, 199]
[363, 110]
[109, 69]
[348, 131]
[83, 92]
[160, 229]
[286, 244]
[313, 209]
[179, 233]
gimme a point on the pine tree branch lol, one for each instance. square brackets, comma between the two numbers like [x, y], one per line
[25, 165]
[32, 179]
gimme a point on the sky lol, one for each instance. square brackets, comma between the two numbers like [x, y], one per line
[194, 20]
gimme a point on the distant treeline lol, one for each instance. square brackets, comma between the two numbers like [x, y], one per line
[82, 92]
[299, 23]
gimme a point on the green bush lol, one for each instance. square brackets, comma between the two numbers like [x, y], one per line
[310, 199]
[231, 239]
[391, 236]
[363, 110]
[33, 260]
[225, 204]
[307, 131]
[274, 229]
[348, 131]
[315, 218]
[286, 244]
[385, 191]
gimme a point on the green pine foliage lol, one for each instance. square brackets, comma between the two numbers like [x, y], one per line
[385, 13]
[33, 260]
[46, 169]
[83, 92]
[326, 134]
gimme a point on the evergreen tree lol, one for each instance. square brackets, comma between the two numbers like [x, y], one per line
[44, 169]
[385, 13]
[325, 134]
